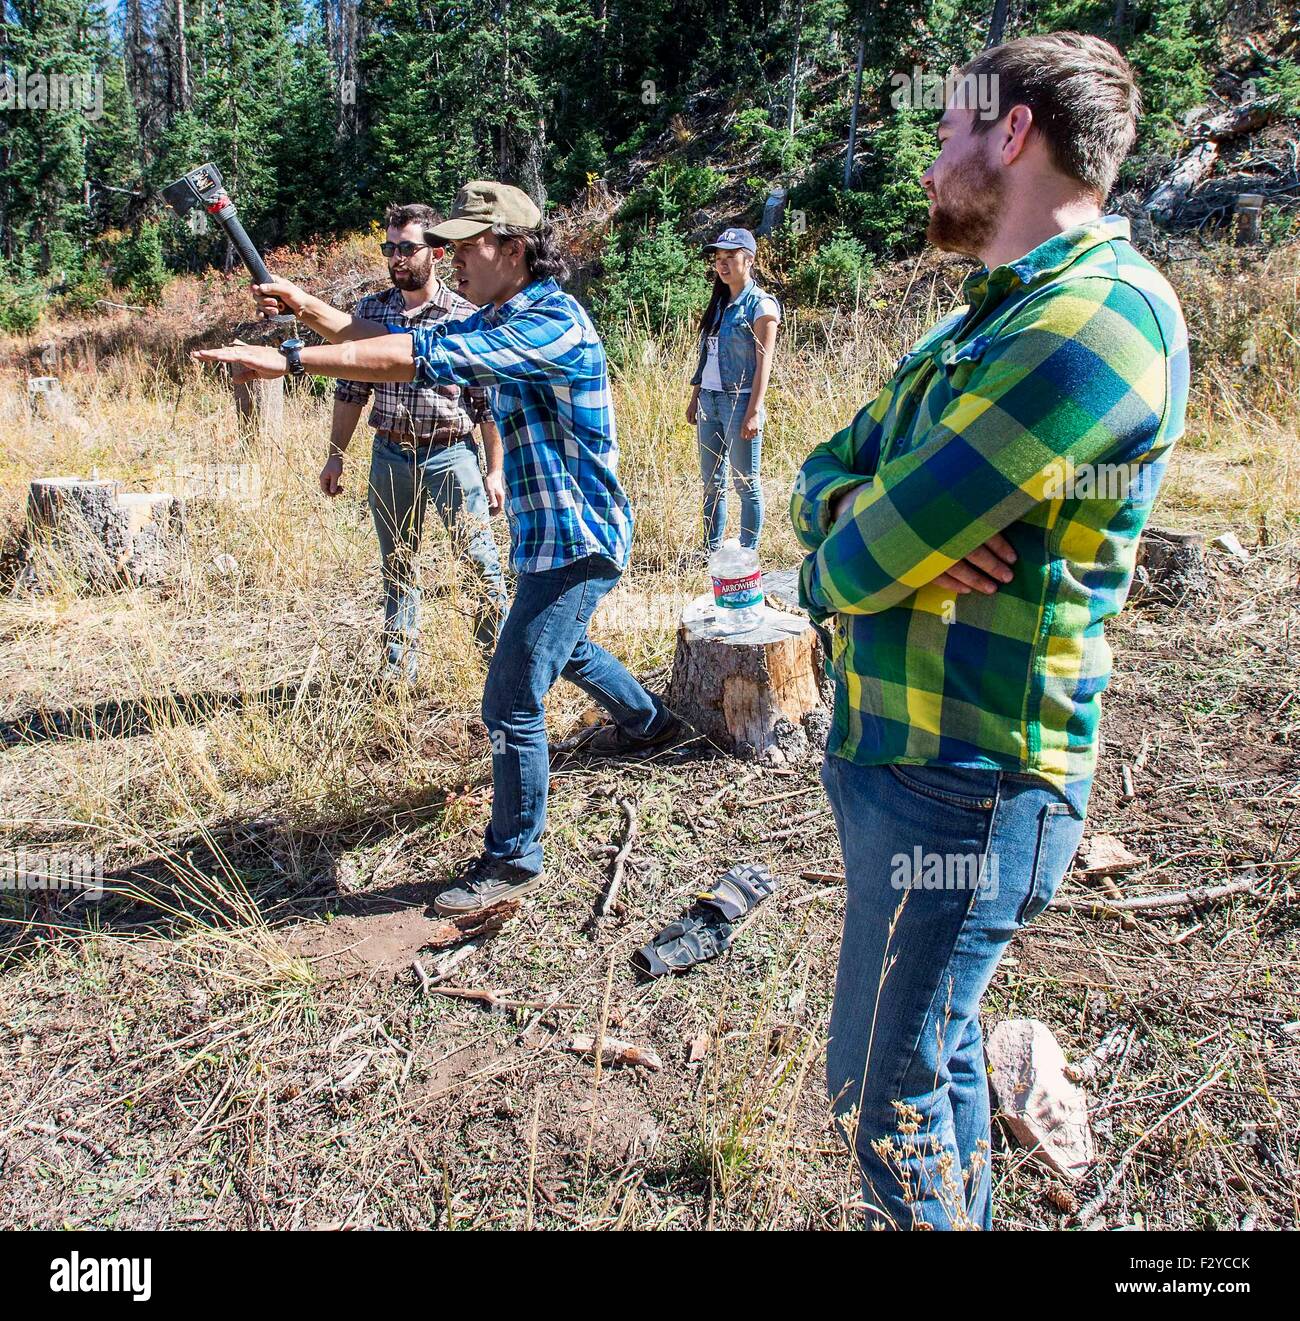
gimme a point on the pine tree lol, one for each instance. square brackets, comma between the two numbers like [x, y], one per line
[52, 49]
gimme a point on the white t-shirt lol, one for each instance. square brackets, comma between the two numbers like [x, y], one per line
[712, 378]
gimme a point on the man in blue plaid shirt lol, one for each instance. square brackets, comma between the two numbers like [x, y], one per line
[535, 348]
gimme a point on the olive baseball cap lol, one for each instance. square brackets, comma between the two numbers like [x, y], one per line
[482, 204]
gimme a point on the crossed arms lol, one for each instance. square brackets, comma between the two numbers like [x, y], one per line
[1058, 381]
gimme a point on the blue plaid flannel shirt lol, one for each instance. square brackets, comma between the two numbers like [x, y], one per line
[545, 365]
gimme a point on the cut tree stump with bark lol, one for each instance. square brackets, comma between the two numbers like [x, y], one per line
[108, 538]
[1170, 568]
[756, 693]
[259, 409]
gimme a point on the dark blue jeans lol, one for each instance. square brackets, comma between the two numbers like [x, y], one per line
[544, 637]
[943, 866]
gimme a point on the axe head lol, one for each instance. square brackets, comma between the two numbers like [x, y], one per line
[200, 187]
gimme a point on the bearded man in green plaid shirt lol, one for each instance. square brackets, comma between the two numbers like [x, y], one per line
[969, 533]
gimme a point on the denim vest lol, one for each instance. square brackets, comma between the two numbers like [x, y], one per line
[737, 345]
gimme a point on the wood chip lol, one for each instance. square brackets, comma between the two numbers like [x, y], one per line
[1104, 855]
[614, 1051]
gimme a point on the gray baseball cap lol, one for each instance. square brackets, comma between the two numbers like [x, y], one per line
[734, 238]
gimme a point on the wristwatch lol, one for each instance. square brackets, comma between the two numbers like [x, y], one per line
[292, 350]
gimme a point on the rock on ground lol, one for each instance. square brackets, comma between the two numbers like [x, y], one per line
[1040, 1107]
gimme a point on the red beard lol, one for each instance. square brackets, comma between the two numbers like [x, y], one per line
[967, 215]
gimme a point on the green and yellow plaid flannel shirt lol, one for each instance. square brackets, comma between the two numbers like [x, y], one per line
[1044, 409]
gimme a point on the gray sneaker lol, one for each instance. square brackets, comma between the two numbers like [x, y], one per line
[482, 883]
[614, 741]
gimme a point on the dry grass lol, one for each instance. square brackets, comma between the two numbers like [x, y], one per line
[222, 1078]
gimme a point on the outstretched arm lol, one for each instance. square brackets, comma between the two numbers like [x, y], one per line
[381, 357]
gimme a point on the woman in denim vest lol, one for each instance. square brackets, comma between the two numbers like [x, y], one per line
[737, 339]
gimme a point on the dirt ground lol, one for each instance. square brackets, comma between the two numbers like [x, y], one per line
[239, 1038]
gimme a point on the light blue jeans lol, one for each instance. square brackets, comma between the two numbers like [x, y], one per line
[722, 451]
[943, 865]
[401, 486]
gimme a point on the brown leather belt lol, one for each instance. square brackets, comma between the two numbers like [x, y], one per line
[408, 440]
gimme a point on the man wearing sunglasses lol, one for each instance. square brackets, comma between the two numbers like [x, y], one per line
[423, 451]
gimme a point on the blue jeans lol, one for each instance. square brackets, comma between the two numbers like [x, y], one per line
[401, 486]
[544, 637]
[721, 449]
[943, 865]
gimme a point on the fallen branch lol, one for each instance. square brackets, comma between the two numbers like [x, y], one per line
[797, 826]
[781, 798]
[482, 995]
[1168, 195]
[69, 1135]
[620, 858]
[446, 964]
[811, 897]
[1239, 119]
[1177, 899]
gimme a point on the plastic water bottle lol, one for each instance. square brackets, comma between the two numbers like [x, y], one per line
[737, 587]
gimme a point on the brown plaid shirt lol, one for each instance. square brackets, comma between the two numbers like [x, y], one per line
[427, 412]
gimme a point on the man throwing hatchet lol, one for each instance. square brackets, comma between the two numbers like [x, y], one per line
[571, 527]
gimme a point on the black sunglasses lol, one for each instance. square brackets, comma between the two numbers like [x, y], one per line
[406, 248]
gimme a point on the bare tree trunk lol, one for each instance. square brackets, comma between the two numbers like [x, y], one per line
[998, 23]
[853, 112]
[349, 117]
[504, 144]
[600, 11]
[232, 102]
[327, 18]
[182, 56]
[792, 100]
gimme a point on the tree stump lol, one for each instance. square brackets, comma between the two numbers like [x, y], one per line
[259, 409]
[1170, 567]
[756, 693]
[1249, 212]
[45, 394]
[106, 538]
